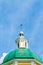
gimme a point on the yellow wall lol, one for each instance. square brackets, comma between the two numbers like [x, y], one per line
[38, 64]
[24, 64]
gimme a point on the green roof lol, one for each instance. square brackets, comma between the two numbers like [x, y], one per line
[21, 53]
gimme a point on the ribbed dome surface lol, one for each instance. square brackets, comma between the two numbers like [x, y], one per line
[21, 53]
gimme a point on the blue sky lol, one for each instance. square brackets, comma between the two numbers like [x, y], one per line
[27, 12]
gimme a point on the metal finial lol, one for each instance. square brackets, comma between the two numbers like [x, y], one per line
[21, 27]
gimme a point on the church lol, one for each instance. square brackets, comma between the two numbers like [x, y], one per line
[22, 55]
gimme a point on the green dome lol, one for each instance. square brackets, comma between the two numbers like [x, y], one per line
[21, 53]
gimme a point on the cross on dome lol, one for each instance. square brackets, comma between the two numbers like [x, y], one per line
[22, 42]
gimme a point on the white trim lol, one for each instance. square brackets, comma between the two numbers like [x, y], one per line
[33, 63]
[16, 63]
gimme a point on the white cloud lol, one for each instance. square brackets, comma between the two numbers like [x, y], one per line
[1, 59]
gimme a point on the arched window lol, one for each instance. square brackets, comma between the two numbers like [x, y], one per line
[18, 45]
[25, 44]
